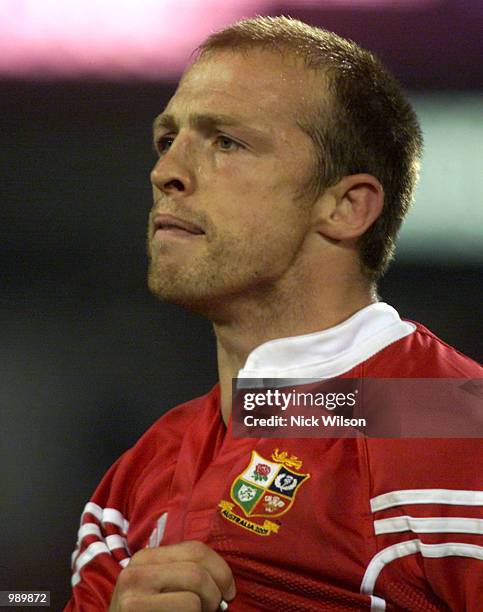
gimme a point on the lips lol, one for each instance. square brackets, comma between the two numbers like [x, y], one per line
[171, 223]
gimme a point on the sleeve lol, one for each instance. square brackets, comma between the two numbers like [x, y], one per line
[427, 510]
[101, 550]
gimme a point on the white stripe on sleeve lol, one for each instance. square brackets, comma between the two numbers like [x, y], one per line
[88, 529]
[429, 525]
[94, 549]
[397, 551]
[105, 544]
[116, 541]
[377, 604]
[106, 515]
[111, 515]
[453, 497]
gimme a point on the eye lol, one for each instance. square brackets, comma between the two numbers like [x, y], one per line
[163, 144]
[225, 143]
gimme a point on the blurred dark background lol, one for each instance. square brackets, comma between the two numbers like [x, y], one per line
[88, 358]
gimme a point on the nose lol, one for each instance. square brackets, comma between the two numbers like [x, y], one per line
[172, 173]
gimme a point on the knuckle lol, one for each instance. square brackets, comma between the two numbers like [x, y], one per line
[192, 603]
[128, 578]
[141, 556]
[130, 603]
[196, 575]
[196, 550]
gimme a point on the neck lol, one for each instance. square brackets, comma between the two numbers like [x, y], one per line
[256, 321]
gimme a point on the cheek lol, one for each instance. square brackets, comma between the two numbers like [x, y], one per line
[234, 171]
[252, 197]
[236, 191]
[265, 179]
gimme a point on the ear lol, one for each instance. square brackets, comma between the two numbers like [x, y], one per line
[346, 210]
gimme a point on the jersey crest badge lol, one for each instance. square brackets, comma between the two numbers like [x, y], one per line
[265, 489]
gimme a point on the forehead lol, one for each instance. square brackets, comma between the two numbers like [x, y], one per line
[258, 84]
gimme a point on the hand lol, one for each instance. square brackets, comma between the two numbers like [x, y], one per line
[185, 577]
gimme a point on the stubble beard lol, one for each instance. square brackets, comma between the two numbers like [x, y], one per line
[228, 271]
[199, 283]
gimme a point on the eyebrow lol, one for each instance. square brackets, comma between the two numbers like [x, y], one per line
[205, 121]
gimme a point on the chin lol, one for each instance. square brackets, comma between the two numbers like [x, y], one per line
[208, 303]
[175, 291]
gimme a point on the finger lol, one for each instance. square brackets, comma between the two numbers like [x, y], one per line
[164, 602]
[192, 577]
[184, 576]
[192, 551]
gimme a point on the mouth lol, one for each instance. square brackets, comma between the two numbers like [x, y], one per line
[169, 225]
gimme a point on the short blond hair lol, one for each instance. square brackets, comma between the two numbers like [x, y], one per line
[362, 123]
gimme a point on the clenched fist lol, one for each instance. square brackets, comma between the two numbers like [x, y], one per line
[185, 577]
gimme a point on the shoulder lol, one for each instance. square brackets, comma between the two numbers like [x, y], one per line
[424, 463]
[167, 433]
[160, 444]
[108, 521]
[421, 354]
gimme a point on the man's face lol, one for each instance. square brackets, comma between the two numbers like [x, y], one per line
[228, 218]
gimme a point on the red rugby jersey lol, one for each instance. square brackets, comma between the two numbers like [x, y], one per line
[340, 524]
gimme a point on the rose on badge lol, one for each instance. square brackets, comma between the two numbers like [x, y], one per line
[261, 471]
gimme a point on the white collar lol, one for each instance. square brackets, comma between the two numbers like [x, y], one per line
[330, 352]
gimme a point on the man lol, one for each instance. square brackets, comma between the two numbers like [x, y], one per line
[287, 161]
